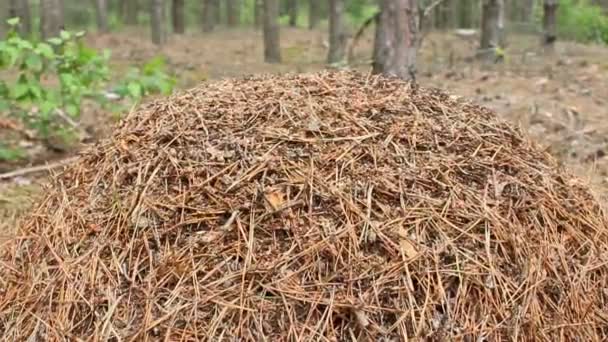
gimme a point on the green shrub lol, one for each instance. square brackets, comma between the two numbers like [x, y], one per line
[51, 77]
[582, 21]
[150, 79]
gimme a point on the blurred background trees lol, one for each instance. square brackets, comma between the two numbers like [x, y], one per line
[583, 20]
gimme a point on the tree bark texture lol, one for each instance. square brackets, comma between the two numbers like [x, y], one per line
[21, 9]
[397, 39]
[4, 16]
[550, 22]
[101, 15]
[217, 7]
[314, 13]
[293, 12]
[51, 18]
[272, 51]
[208, 15]
[490, 29]
[177, 14]
[157, 21]
[337, 37]
[130, 12]
[233, 12]
[465, 14]
[258, 9]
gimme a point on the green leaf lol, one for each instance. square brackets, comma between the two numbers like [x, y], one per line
[155, 64]
[19, 90]
[34, 63]
[13, 21]
[47, 106]
[35, 90]
[72, 110]
[55, 41]
[11, 154]
[65, 35]
[66, 79]
[79, 34]
[165, 88]
[135, 89]
[45, 50]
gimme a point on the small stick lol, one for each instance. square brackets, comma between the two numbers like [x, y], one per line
[39, 168]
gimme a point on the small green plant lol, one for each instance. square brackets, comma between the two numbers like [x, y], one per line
[583, 21]
[51, 78]
[10, 153]
[150, 79]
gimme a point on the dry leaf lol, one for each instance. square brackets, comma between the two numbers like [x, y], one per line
[210, 236]
[276, 199]
[362, 319]
[407, 248]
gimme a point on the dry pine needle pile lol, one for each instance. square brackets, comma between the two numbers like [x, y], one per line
[330, 207]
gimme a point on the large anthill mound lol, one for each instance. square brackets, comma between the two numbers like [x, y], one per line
[332, 206]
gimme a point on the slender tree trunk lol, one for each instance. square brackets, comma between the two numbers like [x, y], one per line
[233, 13]
[550, 23]
[337, 37]
[217, 8]
[258, 9]
[293, 12]
[101, 15]
[465, 14]
[51, 18]
[314, 13]
[177, 12]
[157, 22]
[4, 16]
[130, 12]
[445, 14]
[501, 24]
[491, 26]
[272, 50]
[397, 39]
[527, 10]
[21, 9]
[208, 15]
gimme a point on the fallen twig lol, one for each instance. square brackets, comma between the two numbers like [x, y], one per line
[38, 168]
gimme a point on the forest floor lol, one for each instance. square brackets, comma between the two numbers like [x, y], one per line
[561, 98]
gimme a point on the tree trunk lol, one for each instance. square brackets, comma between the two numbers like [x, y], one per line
[208, 15]
[272, 51]
[257, 13]
[465, 14]
[21, 9]
[397, 39]
[293, 12]
[445, 14]
[550, 22]
[233, 13]
[130, 12]
[217, 8]
[337, 37]
[314, 13]
[4, 16]
[101, 15]
[157, 22]
[527, 10]
[51, 18]
[177, 12]
[492, 25]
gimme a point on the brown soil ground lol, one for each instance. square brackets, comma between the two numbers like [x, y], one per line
[561, 98]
